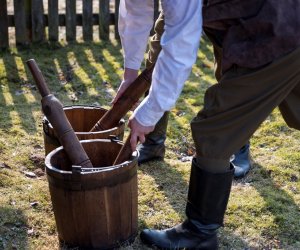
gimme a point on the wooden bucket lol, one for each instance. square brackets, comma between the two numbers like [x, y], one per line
[82, 119]
[94, 208]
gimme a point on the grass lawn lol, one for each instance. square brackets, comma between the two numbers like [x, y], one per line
[264, 207]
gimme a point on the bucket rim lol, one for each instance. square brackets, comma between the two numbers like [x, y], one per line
[50, 167]
[69, 107]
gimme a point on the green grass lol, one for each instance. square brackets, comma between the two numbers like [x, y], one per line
[264, 207]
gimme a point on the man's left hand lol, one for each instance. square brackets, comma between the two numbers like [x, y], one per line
[138, 132]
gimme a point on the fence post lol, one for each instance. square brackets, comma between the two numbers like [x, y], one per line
[104, 19]
[117, 4]
[156, 9]
[37, 21]
[3, 25]
[70, 20]
[53, 20]
[22, 16]
[30, 21]
[87, 20]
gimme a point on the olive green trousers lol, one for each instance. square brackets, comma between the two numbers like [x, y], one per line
[236, 106]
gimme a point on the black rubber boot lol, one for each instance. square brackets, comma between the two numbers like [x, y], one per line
[185, 235]
[207, 202]
[154, 146]
[241, 161]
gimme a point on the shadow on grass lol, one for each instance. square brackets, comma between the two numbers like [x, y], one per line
[13, 229]
[111, 60]
[56, 66]
[14, 82]
[170, 181]
[280, 204]
[5, 122]
[92, 56]
[85, 62]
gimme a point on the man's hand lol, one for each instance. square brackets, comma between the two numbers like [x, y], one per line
[138, 132]
[129, 76]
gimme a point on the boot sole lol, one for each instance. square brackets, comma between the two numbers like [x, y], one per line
[241, 176]
[159, 158]
[183, 248]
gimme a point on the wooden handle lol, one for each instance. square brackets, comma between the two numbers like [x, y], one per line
[125, 152]
[38, 77]
[130, 96]
[53, 110]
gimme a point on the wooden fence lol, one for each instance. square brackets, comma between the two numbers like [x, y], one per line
[30, 20]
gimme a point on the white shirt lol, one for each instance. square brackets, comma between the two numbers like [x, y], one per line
[180, 43]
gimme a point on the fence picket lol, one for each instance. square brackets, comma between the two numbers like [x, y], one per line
[87, 20]
[30, 21]
[104, 19]
[156, 9]
[70, 20]
[37, 21]
[53, 20]
[22, 23]
[3, 25]
[117, 4]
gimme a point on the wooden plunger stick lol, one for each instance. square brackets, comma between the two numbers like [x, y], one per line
[53, 110]
[112, 117]
[130, 96]
[125, 152]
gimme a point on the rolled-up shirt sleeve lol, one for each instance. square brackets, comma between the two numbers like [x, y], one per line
[135, 23]
[180, 43]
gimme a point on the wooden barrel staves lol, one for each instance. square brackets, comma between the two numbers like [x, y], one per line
[82, 119]
[94, 208]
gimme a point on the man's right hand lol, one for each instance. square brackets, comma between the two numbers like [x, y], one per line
[129, 76]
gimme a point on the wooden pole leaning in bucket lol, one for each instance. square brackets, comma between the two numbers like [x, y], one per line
[130, 96]
[53, 110]
[125, 152]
